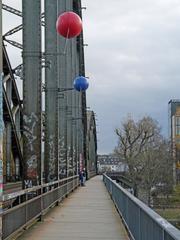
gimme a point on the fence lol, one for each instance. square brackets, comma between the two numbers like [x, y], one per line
[141, 221]
[27, 205]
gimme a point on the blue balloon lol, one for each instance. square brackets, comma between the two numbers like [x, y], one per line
[81, 83]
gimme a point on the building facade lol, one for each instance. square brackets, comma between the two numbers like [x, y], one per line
[110, 163]
[174, 132]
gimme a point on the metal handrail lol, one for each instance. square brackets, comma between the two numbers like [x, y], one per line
[141, 221]
[10, 196]
[29, 204]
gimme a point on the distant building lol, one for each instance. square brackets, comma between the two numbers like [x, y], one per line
[110, 163]
[174, 132]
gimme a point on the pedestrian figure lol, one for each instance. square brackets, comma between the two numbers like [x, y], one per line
[84, 176]
[81, 178]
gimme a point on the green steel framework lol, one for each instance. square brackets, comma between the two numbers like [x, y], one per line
[32, 87]
[51, 118]
[1, 122]
[61, 57]
[44, 135]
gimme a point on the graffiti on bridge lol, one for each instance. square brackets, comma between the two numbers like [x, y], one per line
[52, 163]
[62, 158]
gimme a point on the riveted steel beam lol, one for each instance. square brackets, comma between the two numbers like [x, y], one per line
[83, 97]
[13, 30]
[11, 10]
[62, 116]
[14, 43]
[51, 93]
[69, 82]
[32, 91]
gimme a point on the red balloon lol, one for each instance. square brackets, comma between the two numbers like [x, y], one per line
[69, 25]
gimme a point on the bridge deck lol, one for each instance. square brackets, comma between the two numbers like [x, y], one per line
[87, 214]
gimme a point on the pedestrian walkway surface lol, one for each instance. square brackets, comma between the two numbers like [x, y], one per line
[88, 214]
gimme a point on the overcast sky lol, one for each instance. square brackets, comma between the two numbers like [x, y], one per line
[133, 60]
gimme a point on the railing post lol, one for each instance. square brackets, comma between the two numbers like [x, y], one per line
[139, 230]
[41, 202]
[163, 235]
[146, 221]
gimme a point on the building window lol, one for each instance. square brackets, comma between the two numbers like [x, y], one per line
[178, 125]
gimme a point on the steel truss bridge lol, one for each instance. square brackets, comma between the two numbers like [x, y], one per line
[46, 132]
[47, 135]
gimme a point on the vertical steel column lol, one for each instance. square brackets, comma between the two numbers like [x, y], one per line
[69, 7]
[83, 97]
[8, 135]
[8, 151]
[81, 102]
[51, 92]
[1, 125]
[78, 100]
[74, 109]
[32, 91]
[75, 99]
[62, 143]
[79, 152]
[78, 115]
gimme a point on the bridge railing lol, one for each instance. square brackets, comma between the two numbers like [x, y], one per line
[25, 206]
[141, 221]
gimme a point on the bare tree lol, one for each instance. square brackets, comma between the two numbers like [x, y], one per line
[139, 146]
[158, 170]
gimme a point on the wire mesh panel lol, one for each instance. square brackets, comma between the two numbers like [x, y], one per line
[33, 201]
[33, 209]
[13, 219]
[60, 193]
[64, 190]
[70, 186]
[49, 198]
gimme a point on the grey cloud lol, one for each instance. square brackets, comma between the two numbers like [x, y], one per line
[133, 60]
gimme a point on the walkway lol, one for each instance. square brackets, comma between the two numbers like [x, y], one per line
[87, 214]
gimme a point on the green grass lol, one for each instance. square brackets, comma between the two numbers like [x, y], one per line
[173, 200]
[172, 213]
[175, 197]
[169, 213]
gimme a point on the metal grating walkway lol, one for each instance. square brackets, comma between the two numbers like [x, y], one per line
[87, 214]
